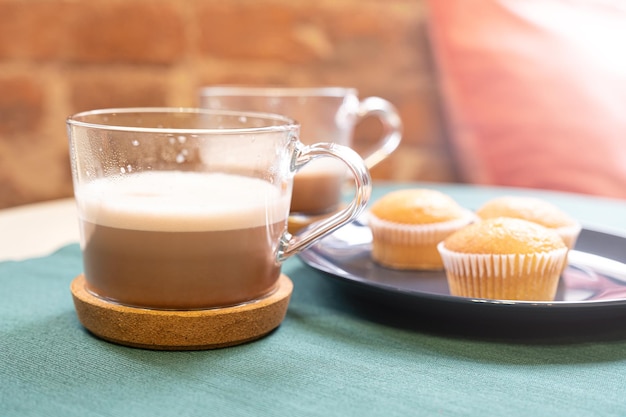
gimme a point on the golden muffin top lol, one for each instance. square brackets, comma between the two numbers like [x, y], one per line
[504, 236]
[417, 206]
[527, 208]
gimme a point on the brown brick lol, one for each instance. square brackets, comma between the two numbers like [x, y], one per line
[259, 73]
[259, 30]
[31, 29]
[292, 32]
[342, 44]
[373, 23]
[419, 119]
[149, 32]
[11, 194]
[410, 163]
[31, 172]
[297, 32]
[94, 90]
[21, 106]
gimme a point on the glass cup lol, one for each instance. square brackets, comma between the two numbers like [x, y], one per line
[328, 113]
[187, 209]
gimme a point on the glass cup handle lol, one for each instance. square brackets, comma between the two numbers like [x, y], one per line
[289, 244]
[392, 127]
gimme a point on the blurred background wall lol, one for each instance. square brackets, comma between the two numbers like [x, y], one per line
[58, 57]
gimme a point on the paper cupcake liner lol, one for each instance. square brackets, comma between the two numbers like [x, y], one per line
[419, 234]
[516, 276]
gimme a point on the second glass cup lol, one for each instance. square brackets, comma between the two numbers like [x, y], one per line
[324, 113]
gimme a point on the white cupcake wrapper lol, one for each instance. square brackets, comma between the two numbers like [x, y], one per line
[418, 234]
[493, 265]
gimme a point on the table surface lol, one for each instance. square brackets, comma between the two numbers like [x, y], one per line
[332, 355]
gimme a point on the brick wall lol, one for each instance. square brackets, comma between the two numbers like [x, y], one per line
[58, 57]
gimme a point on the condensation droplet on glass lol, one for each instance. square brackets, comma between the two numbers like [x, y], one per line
[171, 140]
[129, 168]
[243, 119]
[123, 170]
[180, 158]
[182, 139]
[135, 142]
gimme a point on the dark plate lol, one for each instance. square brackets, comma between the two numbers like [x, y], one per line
[592, 287]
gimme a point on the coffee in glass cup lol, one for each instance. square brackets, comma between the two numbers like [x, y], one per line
[186, 209]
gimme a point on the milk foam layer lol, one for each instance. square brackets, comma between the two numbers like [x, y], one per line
[181, 201]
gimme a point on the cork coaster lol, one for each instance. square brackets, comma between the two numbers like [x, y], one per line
[181, 330]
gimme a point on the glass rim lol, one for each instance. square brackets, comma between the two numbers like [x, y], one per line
[286, 123]
[275, 91]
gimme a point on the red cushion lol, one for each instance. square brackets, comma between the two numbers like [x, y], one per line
[535, 91]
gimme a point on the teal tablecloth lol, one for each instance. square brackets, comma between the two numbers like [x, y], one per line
[327, 358]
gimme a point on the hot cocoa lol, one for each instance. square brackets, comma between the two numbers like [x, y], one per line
[181, 240]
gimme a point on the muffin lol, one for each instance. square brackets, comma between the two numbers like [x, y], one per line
[504, 258]
[408, 224]
[534, 210]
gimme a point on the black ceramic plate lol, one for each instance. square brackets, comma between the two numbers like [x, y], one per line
[593, 284]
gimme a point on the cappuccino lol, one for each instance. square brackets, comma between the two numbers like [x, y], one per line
[181, 240]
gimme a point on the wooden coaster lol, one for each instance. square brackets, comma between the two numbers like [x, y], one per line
[181, 329]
